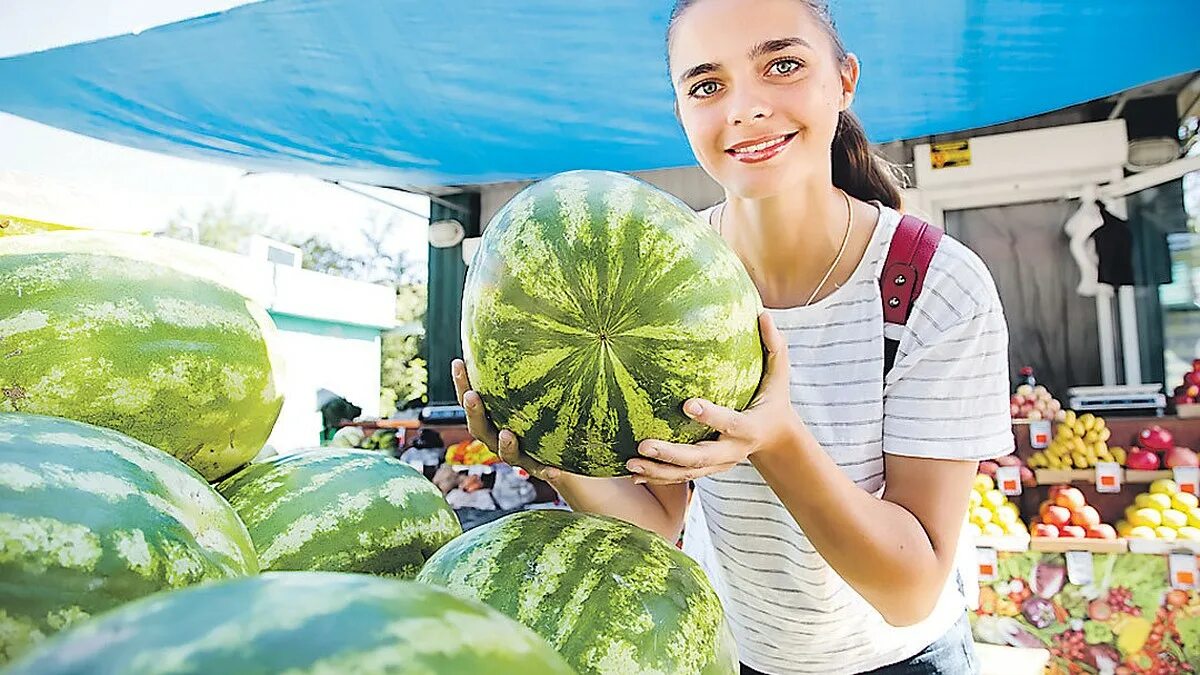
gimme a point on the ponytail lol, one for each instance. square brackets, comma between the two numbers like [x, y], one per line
[859, 171]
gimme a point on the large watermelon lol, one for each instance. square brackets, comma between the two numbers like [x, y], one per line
[90, 519]
[95, 328]
[299, 622]
[341, 511]
[594, 307]
[612, 598]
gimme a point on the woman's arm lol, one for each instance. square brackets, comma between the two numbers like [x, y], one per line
[897, 552]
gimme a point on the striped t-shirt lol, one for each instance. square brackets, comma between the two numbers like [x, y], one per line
[946, 397]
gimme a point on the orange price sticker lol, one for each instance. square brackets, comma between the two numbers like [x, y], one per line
[1188, 478]
[1183, 570]
[1108, 477]
[988, 564]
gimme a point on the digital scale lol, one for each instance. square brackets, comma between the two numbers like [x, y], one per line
[443, 414]
[1121, 399]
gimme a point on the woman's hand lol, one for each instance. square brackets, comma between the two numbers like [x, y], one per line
[767, 423]
[504, 442]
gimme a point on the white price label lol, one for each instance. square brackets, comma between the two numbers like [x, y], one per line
[1079, 567]
[1108, 477]
[989, 564]
[1188, 478]
[1040, 434]
[1008, 479]
[1182, 568]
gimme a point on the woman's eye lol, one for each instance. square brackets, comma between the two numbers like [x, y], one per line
[785, 66]
[704, 89]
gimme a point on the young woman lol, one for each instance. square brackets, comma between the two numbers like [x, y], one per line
[827, 514]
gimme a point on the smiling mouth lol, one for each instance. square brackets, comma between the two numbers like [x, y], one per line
[762, 150]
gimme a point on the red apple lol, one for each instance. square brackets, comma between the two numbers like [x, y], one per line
[1102, 531]
[1179, 456]
[1156, 438]
[1057, 516]
[1027, 478]
[1071, 498]
[1044, 530]
[1014, 410]
[1072, 531]
[1009, 460]
[1086, 517]
[1055, 489]
[1141, 460]
[988, 468]
[1192, 378]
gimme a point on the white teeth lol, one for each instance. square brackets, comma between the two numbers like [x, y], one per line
[759, 147]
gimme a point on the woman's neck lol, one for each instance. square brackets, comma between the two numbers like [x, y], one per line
[788, 242]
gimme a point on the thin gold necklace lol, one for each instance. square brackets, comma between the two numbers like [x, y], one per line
[836, 259]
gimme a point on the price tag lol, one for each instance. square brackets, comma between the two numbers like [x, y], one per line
[1188, 478]
[1108, 477]
[1008, 478]
[1040, 434]
[989, 565]
[1182, 567]
[1079, 567]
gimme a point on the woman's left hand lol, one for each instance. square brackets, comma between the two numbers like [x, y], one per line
[769, 422]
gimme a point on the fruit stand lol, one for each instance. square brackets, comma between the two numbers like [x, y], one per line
[1089, 541]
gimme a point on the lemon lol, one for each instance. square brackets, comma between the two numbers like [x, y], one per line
[1146, 517]
[1190, 533]
[1175, 519]
[981, 515]
[976, 499]
[1166, 533]
[994, 530]
[1143, 532]
[1160, 501]
[1142, 500]
[1194, 517]
[1017, 528]
[984, 482]
[1008, 513]
[994, 498]
[1164, 486]
[1123, 528]
[1185, 501]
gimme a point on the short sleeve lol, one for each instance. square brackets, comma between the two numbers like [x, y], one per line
[947, 396]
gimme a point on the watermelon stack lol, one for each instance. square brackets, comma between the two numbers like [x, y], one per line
[299, 622]
[90, 519]
[95, 327]
[609, 596]
[594, 307]
[341, 511]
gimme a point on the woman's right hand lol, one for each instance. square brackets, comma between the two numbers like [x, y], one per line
[503, 442]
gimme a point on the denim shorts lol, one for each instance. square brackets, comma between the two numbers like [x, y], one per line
[951, 654]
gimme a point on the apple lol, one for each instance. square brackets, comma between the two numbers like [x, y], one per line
[1072, 531]
[1009, 460]
[988, 468]
[1156, 438]
[1042, 509]
[1101, 531]
[1196, 365]
[1086, 517]
[1055, 489]
[1192, 378]
[1014, 409]
[1141, 460]
[1058, 515]
[1071, 498]
[1027, 478]
[1192, 391]
[1045, 530]
[1180, 456]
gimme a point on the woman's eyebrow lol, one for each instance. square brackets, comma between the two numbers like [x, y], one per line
[759, 50]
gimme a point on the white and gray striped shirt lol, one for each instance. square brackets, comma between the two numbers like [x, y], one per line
[946, 397]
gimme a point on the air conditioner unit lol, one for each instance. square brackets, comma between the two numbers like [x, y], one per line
[265, 248]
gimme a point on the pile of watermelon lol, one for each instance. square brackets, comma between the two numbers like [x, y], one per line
[137, 536]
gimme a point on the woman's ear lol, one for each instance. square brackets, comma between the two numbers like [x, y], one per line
[849, 73]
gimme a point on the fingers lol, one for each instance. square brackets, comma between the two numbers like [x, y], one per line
[458, 373]
[510, 452]
[776, 371]
[681, 455]
[477, 421]
[716, 417]
[657, 473]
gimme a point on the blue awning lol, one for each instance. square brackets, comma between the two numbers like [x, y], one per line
[398, 92]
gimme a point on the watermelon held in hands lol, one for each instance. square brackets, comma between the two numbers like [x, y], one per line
[298, 622]
[91, 519]
[609, 596]
[595, 306]
[341, 511]
[109, 329]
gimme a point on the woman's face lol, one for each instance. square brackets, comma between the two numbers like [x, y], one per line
[759, 88]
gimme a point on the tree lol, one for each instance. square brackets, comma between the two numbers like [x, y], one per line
[218, 227]
[404, 375]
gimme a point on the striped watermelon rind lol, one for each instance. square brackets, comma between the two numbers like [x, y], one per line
[341, 511]
[90, 519]
[92, 332]
[611, 597]
[594, 307]
[299, 622]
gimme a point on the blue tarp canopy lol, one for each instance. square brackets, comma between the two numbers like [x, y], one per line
[404, 92]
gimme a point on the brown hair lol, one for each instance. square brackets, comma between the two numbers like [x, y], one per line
[856, 169]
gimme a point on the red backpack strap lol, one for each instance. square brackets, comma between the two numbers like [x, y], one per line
[904, 272]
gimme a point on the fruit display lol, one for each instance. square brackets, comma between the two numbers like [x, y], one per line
[1035, 403]
[90, 519]
[1162, 512]
[471, 453]
[299, 622]
[990, 467]
[98, 328]
[595, 306]
[1080, 442]
[990, 512]
[1067, 514]
[1126, 620]
[341, 511]
[608, 596]
[1188, 391]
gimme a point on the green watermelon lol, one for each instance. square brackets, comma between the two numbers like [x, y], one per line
[594, 307]
[341, 511]
[90, 519]
[612, 598]
[101, 328]
[298, 622]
